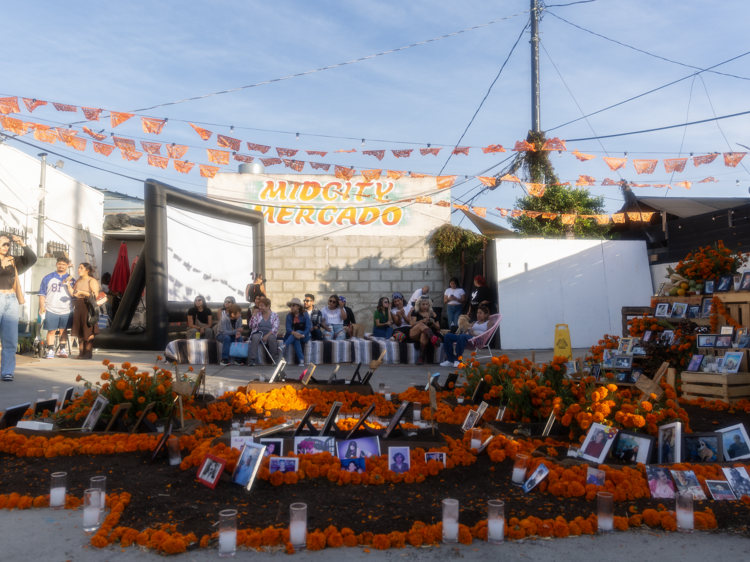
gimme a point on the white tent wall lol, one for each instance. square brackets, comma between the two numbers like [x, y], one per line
[581, 283]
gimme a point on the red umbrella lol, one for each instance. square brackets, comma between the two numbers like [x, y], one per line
[121, 272]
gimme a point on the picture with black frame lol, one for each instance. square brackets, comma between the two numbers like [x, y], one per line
[706, 340]
[702, 447]
[679, 310]
[694, 311]
[723, 342]
[745, 281]
[706, 305]
[724, 284]
[708, 286]
[624, 362]
[596, 371]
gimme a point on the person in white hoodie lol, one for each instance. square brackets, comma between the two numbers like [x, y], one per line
[229, 330]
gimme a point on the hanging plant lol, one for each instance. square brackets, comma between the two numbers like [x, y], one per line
[450, 241]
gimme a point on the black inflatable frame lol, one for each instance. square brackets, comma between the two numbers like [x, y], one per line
[151, 269]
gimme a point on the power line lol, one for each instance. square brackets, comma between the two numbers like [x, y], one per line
[684, 131]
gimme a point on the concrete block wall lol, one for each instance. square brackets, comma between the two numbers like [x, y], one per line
[362, 268]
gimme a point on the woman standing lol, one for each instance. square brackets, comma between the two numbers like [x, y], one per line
[461, 340]
[479, 296]
[334, 316]
[11, 296]
[255, 289]
[86, 286]
[400, 316]
[382, 325]
[298, 328]
[454, 297]
[263, 326]
[424, 329]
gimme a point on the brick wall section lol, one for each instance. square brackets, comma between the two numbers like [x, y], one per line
[362, 268]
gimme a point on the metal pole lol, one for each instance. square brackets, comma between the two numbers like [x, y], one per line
[536, 118]
[40, 225]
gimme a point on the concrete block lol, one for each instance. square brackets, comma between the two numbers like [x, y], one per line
[369, 275]
[403, 287]
[380, 286]
[273, 263]
[391, 275]
[294, 286]
[338, 287]
[320, 252]
[345, 251]
[415, 285]
[303, 251]
[286, 252]
[390, 252]
[348, 275]
[413, 275]
[369, 252]
[358, 290]
[281, 275]
[319, 289]
[413, 252]
[346, 263]
[403, 263]
[380, 264]
[314, 263]
[304, 275]
[326, 274]
[293, 263]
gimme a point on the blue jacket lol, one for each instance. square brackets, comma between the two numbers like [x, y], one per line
[308, 325]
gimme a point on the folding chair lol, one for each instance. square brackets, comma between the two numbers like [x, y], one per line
[480, 343]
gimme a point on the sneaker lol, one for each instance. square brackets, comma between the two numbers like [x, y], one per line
[50, 353]
[447, 364]
[62, 352]
[224, 363]
[8, 378]
[251, 363]
[456, 364]
[301, 364]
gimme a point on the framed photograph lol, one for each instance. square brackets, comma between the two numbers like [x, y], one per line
[686, 481]
[660, 290]
[48, 405]
[623, 376]
[162, 441]
[330, 420]
[536, 477]
[745, 281]
[694, 311]
[727, 331]
[639, 351]
[670, 443]
[307, 375]
[500, 413]
[248, 465]
[695, 363]
[274, 447]
[440, 457]
[631, 448]
[354, 465]
[239, 441]
[399, 460]
[309, 445]
[608, 357]
[719, 363]
[142, 417]
[732, 361]
[67, 397]
[95, 413]
[706, 306]
[283, 464]
[595, 476]
[570, 367]
[743, 341]
[635, 374]
[702, 447]
[470, 421]
[624, 362]
[118, 414]
[646, 336]
[305, 420]
[210, 470]
[679, 310]
[662, 310]
[355, 448]
[667, 336]
[720, 490]
[738, 480]
[723, 342]
[624, 346]
[396, 419]
[278, 370]
[735, 442]
[598, 441]
[660, 483]
[596, 371]
[724, 283]
[485, 444]
[709, 286]
[14, 414]
[706, 340]
[362, 419]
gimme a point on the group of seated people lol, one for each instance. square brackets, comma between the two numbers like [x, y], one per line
[394, 319]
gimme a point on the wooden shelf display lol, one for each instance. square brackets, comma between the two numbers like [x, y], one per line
[727, 387]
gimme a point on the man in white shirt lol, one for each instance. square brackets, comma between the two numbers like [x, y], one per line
[418, 294]
[55, 301]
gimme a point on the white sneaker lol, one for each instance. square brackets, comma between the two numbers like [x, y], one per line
[446, 364]
[301, 364]
[62, 352]
[456, 364]
[50, 353]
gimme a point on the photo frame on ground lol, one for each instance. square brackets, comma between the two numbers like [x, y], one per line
[311, 444]
[595, 476]
[738, 480]
[355, 448]
[660, 483]
[661, 310]
[399, 459]
[248, 465]
[274, 446]
[277, 372]
[479, 392]
[396, 419]
[440, 457]
[500, 413]
[720, 490]
[239, 441]
[42, 405]
[210, 470]
[305, 421]
[485, 444]
[536, 477]
[354, 465]
[330, 420]
[735, 443]
[598, 442]
[702, 447]
[163, 441]
[95, 413]
[142, 416]
[13, 415]
[286, 426]
[308, 374]
[66, 397]
[361, 421]
[686, 481]
[283, 464]
[670, 443]
[118, 414]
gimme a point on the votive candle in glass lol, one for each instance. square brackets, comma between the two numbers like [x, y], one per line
[173, 446]
[91, 509]
[417, 412]
[298, 525]
[476, 438]
[100, 483]
[381, 388]
[684, 512]
[450, 521]
[519, 469]
[387, 392]
[41, 395]
[57, 486]
[495, 522]
[227, 533]
[605, 512]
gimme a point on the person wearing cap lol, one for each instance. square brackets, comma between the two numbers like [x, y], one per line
[480, 296]
[298, 327]
[400, 315]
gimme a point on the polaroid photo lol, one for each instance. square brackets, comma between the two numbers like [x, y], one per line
[745, 281]
[274, 447]
[702, 447]
[738, 480]
[440, 457]
[720, 490]
[399, 460]
[706, 340]
[694, 311]
[670, 443]
[635, 374]
[725, 282]
[624, 362]
[732, 361]
[309, 445]
[660, 483]
[248, 465]
[283, 464]
[599, 440]
[211, 470]
[354, 465]
[709, 286]
[624, 346]
[679, 310]
[536, 477]
[735, 442]
[706, 307]
[695, 363]
[362, 447]
[608, 357]
[723, 342]
[662, 310]
[686, 481]
[595, 476]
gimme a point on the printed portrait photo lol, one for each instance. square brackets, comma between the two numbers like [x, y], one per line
[399, 460]
[354, 465]
[632, 448]
[670, 443]
[283, 464]
[210, 471]
[274, 447]
[355, 448]
[598, 441]
[248, 464]
[660, 482]
[686, 481]
[595, 476]
[536, 477]
[662, 310]
[440, 457]
[309, 445]
[738, 480]
[702, 448]
[735, 442]
[720, 490]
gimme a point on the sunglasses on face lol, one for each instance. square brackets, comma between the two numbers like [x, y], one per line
[332, 301]
[308, 300]
[227, 302]
[386, 302]
[6, 245]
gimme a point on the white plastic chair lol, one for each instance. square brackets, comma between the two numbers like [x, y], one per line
[480, 343]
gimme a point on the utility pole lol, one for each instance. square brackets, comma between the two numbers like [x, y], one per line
[536, 118]
[40, 224]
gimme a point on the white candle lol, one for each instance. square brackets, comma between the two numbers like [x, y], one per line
[228, 541]
[104, 501]
[297, 533]
[450, 529]
[57, 497]
[496, 529]
[91, 516]
[606, 523]
[460, 400]
[387, 395]
[519, 475]
[476, 443]
[685, 520]
[417, 415]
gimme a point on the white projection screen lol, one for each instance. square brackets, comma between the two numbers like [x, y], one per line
[207, 256]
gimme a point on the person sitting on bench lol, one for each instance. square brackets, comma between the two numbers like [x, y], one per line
[461, 340]
[229, 330]
[199, 320]
[263, 327]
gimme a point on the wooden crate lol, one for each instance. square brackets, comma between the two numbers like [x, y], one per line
[730, 387]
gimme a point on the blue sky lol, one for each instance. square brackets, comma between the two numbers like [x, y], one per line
[139, 54]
